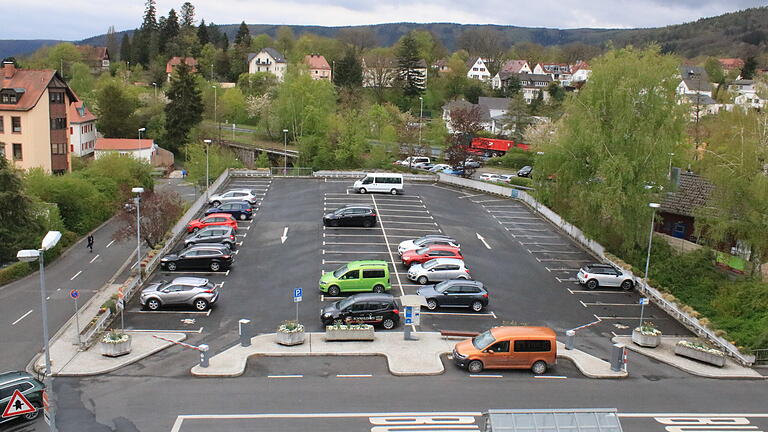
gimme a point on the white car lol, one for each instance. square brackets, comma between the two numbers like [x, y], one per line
[597, 275]
[439, 167]
[506, 177]
[438, 269]
[232, 196]
[426, 241]
[490, 177]
[413, 160]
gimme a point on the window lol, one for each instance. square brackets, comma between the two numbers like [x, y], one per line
[8, 391]
[373, 274]
[9, 98]
[57, 97]
[532, 346]
[59, 149]
[354, 274]
[2, 149]
[58, 123]
[500, 347]
[16, 124]
[2, 129]
[17, 155]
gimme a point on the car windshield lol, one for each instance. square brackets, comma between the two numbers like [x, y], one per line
[483, 340]
[339, 211]
[422, 251]
[441, 286]
[343, 304]
[340, 271]
[429, 264]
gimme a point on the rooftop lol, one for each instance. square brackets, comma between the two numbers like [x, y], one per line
[126, 144]
[693, 192]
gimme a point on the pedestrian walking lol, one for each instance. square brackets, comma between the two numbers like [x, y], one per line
[90, 242]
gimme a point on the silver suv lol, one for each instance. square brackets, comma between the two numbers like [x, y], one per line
[191, 291]
[212, 234]
[606, 275]
[438, 269]
[232, 196]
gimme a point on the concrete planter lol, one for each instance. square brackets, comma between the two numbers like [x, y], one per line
[646, 340]
[702, 356]
[342, 333]
[115, 349]
[290, 339]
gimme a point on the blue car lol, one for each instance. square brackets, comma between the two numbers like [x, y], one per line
[454, 171]
[239, 210]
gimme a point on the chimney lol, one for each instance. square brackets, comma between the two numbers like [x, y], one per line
[9, 69]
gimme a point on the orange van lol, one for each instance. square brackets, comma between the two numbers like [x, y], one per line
[511, 347]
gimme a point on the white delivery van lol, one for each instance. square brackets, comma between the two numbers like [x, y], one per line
[413, 160]
[380, 182]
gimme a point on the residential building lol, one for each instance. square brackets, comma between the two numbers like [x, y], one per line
[174, 62]
[441, 66]
[268, 60]
[678, 208]
[383, 72]
[142, 149]
[531, 84]
[319, 69]
[82, 129]
[485, 117]
[478, 69]
[580, 73]
[559, 71]
[33, 118]
[694, 79]
[731, 63]
[97, 57]
[745, 94]
[510, 66]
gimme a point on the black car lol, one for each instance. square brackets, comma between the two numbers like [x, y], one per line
[368, 308]
[525, 171]
[239, 210]
[29, 387]
[198, 257]
[455, 293]
[351, 215]
[213, 234]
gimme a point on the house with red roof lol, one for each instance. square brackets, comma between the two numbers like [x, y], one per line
[731, 63]
[510, 67]
[82, 129]
[97, 57]
[319, 69]
[174, 62]
[142, 149]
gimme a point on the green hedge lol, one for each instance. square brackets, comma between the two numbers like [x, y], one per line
[21, 269]
[515, 158]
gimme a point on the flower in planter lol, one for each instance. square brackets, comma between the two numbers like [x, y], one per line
[338, 325]
[290, 326]
[115, 337]
[700, 345]
[648, 329]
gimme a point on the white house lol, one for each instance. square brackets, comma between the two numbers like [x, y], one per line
[143, 149]
[478, 70]
[531, 84]
[558, 71]
[82, 129]
[694, 80]
[580, 73]
[745, 94]
[268, 60]
[383, 72]
[510, 66]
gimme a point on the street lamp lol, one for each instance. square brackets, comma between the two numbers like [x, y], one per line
[285, 151]
[207, 146]
[155, 86]
[137, 200]
[654, 206]
[29, 255]
[140, 131]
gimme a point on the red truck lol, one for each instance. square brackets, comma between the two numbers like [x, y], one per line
[494, 147]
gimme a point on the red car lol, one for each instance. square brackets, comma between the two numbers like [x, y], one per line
[430, 252]
[215, 219]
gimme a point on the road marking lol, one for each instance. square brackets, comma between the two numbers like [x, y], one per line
[389, 249]
[566, 279]
[482, 239]
[486, 376]
[22, 317]
[350, 235]
[626, 318]
[200, 330]
[550, 377]
[563, 259]
[479, 315]
[110, 243]
[76, 275]
[582, 303]
[471, 196]
[352, 243]
[242, 235]
[560, 252]
[284, 237]
[405, 211]
[206, 313]
[562, 269]
[410, 223]
[405, 216]
[544, 244]
[354, 376]
[610, 304]
[351, 252]
[285, 376]
[594, 292]
[94, 258]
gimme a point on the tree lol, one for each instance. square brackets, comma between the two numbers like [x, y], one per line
[15, 206]
[219, 159]
[348, 71]
[466, 123]
[232, 106]
[261, 41]
[714, 69]
[750, 67]
[159, 211]
[169, 30]
[202, 33]
[302, 105]
[284, 40]
[256, 84]
[112, 44]
[185, 109]
[146, 38]
[486, 43]
[187, 15]
[115, 110]
[125, 48]
[359, 38]
[613, 141]
[380, 72]
[410, 75]
[243, 36]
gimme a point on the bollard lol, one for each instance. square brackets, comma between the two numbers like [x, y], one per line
[203, 355]
[570, 339]
[617, 357]
[245, 332]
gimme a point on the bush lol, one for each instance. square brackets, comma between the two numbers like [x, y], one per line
[515, 159]
[16, 271]
[521, 181]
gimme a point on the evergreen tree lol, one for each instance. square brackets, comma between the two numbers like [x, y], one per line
[125, 48]
[409, 75]
[214, 35]
[187, 15]
[749, 69]
[243, 36]
[202, 33]
[146, 43]
[17, 207]
[116, 112]
[169, 30]
[112, 46]
[223, 42]
[185, 109]
[348, 71]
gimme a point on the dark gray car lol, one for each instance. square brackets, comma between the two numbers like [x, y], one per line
[212, 234]
[190, 291]
[455, 293]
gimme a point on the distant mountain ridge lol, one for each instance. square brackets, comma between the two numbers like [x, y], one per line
[732, 34]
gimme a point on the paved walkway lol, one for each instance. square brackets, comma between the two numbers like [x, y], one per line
[665, 353]
[420, 357]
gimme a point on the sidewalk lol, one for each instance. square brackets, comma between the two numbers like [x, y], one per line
[404, 358]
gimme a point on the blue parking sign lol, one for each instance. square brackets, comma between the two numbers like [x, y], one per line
[297, 292]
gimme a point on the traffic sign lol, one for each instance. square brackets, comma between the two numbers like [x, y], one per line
[18, 405]
[74, 293]
[643, 300]
[297, 294]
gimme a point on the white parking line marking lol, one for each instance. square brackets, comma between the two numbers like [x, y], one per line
[472, 196]
[517, 217]
[543, 244]
[200, 330]
[110, 243]
[389, 249]
[350, 235]
[556, 252]
[406, 216]
[328, 252]
[95, 258]
[354, 376]
[22, 317]
[419, 230]
[594, 292]
[582, 303]
[406, 211]
[486, 376]
[387, 206]
[413, 223]
[562, 269]
[479, 315]
[625, 318]
[352, 243]
[609, 304]
[206, 313]
[525, 229]
[550, 377]
[563, 259]
[566, 280]
[285, 376]
[76, 275]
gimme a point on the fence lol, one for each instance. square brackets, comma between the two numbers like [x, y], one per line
[596, 248]
[761, 356]
[361, 174]
[291, 171]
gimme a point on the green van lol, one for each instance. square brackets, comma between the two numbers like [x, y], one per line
[357, 276]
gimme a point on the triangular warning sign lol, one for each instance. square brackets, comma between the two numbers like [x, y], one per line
[18, 405]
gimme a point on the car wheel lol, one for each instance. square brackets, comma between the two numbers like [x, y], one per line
[431, 304]
[378, 289]
[334, 291]
[388, 323]
[243, 216]
[592, 284]
[368, 224]
[33, 415]
[201, 304]
[171, 266]
[393, 192]
[627, 285]
[153, 304]
[362, 190]
[477, 306]
[195, 229]
[539, 367]
[216, 203]
[422, 280]
[475, 366]
[215, 266]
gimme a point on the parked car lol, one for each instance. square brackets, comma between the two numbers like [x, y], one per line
[351, 215]
[506, 177]
[606, 275]
[234, 195]
[525, 171]
[471, 163]
[190, 291]
[370, 275]
[429, 239]
[439, 167]
[508, 347]
[424, 165]
[439, 269]
[490, 177]
[455, 293]
[413, 160]
[374, 309]
[459, 171]
[390, 183]
[198, 257]
[29, 387]
[420, 256]
[215, 234]
[239, 210]
[214, 219]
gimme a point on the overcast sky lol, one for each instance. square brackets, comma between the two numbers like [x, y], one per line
[79, 19]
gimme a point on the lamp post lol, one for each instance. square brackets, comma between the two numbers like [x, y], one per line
[140, 131]
[155, 86]
[207, 146]
[137, 200]
[669, 171]
[285, 151]
[654, 206]
[29, 255]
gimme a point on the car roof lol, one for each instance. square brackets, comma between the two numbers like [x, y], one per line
[463, 282]
[599, 265]
[216, 227]
[372, 296]
[439, 261]
[365, 206]
[237, 190]
[442, 247]
[366, 263]
[435, 236]
[189, 280]
[523, 331]
[227, 215]
[11, 376]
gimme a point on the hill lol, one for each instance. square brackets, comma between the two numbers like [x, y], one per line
[9, 48]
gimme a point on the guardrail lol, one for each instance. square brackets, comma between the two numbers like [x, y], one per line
[596, 248]
[361, 174]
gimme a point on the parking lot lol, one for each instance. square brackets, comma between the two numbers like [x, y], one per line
[526, 264]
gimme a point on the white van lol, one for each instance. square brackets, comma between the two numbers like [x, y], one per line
[380, 182]
[413, 160]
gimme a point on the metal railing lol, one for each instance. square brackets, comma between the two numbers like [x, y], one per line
[291, 171]
[761, 356]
